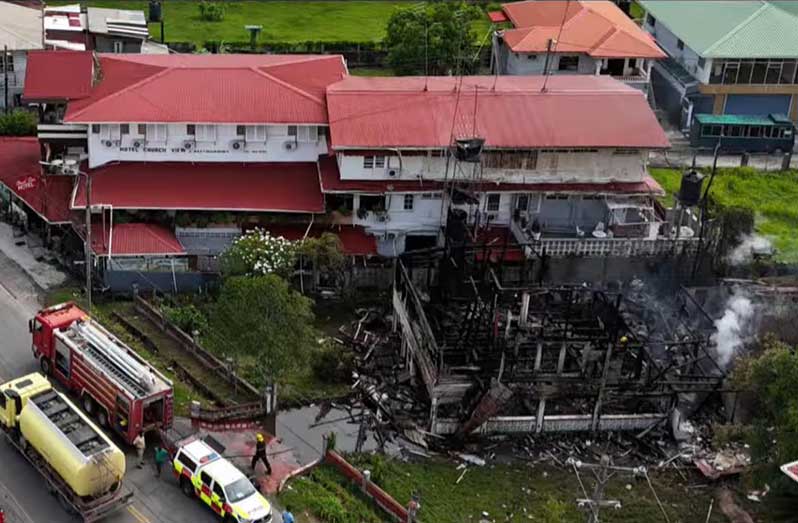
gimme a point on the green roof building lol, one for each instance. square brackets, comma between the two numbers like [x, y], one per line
[725, 57]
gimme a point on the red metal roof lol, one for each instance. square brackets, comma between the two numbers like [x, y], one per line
[497, 17]
[49, 197]
[58, 75]
[134, 239]
[508, 111]
[209, 88]
[598, 28]
[354, 239]
[331, 182]
[260, 187]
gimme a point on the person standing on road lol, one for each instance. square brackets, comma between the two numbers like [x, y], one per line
[160, 458]
[287, 516]
[260, 454]
[140, 445]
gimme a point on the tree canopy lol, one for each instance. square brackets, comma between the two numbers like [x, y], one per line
[431, 37]
[263, 319]
[257, 253]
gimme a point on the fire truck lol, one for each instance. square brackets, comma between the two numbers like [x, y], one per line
[113, 383]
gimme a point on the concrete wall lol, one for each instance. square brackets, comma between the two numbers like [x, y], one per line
[16, 78]
[687, 57]
[424, 218]
[173, 150]
[105, 44]
[598, 166]
[527, 64]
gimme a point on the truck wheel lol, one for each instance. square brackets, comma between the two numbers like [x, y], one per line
[102, 418]
[186, 487]
[65, 504]
[44, 363]
[88, 404]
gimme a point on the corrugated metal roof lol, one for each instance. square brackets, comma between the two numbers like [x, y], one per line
[508, 111]
[210, 89]
[19, 158]
[58, 75]
[262, 187]
[134, 239]
[598, 28]
[730, 28]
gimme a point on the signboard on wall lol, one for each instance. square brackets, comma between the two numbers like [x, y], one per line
[26, 184]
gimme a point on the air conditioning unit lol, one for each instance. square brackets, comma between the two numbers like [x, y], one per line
[290, 145]
[384, 217]
[189, 145]
[137, 144]
[71, 170]
[238, 145]
[108, 143]
[394, 172]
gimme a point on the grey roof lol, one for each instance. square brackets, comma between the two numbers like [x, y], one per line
[104, 21]
[731, 28]
[20, 27]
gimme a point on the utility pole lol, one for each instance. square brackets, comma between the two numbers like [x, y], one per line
[596, 502]
[5, 76]
[87, 261]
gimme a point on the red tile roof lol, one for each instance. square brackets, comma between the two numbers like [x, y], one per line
[134, 239]
[58, 75]
[261, 187]
[354, 239]
[19, 158]
[331, 182]
[497, 17]
[598, 28]
[511, 111]
[209, 88]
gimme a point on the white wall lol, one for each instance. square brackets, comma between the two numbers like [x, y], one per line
[687, 57]
[16, 78]
[425, 218]
[521, 64]
[602, 166]
[272, 150]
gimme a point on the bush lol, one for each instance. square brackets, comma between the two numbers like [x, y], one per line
[258, 253]
[188, 318]
[211, 11]
[18, 122]
[333, 364]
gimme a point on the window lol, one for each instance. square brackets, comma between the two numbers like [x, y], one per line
[556, 196]
[217, 489]
[788, 72]
[62, 358]
[95, 128]
[292, 130]
[701, 62]
[187, 462]
[650, 20]
[191, 129]
[625, 152]
[2, 400]
[305, 133]
[522, 202]
[142, 129]
[156, 132]
[205, 133]
[493, 202]
[531, 57]
[734, 130]
[379, 162]
[711, 130]
[730, 72]
[568, 63]
[372, 203]
[205, 478]
[239, 489]
[241, 130]
[760, 71]
[680, 45]
[256, 133]
[119, 46]
[773, 72]
[125, 128]
[408, 202]
[8, 63]
[755, 131]
[370, 162]
[110, 132]
[746, 68]
[431, 196]
[510, 159]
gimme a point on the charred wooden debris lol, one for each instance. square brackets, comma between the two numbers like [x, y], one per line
[496, 359]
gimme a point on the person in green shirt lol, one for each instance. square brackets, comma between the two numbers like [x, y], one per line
[161, 456]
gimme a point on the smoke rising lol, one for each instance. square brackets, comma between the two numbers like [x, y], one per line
[744, 253]
[733, 328]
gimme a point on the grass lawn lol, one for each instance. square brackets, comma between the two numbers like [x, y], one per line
[512, 493]
[773, 197]
[284, 21]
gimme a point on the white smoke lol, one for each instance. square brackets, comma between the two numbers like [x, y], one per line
[733, 328]
[751, 243]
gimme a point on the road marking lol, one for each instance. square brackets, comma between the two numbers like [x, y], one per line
[9, 291]
[138, 515]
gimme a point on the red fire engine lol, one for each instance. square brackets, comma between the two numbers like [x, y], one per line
[114, 384]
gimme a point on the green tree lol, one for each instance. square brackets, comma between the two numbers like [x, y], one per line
[771, 377]
[256, 253]
[18, 122]
[432, 37]
[263, 319]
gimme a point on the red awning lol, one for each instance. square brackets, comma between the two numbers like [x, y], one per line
[47, 196]
[256, 187]
[354, 240]
[331, 182]
[134, 239]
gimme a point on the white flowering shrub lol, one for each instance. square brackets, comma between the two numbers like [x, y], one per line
[257, 253]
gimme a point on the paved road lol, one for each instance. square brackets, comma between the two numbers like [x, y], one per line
[22, 493]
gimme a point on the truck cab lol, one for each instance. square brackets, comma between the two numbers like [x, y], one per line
[204, 473]
[14, 395]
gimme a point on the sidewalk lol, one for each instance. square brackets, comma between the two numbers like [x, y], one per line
[14, 513]
[29, 256]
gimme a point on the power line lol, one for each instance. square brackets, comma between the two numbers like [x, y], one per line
[559, 33]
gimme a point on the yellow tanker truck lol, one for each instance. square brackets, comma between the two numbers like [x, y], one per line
[79, 463]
